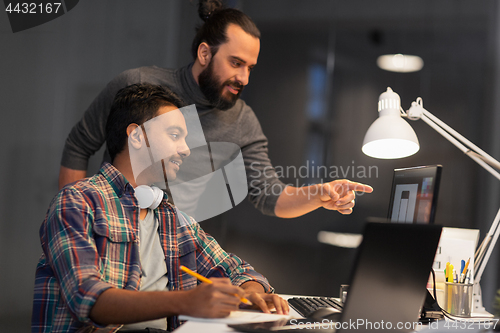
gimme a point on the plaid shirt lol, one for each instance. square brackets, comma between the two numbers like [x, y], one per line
[90, 243]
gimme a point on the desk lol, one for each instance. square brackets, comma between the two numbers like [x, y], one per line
[219, 325]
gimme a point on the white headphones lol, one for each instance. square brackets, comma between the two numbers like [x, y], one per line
[148, 196]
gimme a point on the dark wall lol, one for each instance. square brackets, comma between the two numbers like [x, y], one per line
[51, 73]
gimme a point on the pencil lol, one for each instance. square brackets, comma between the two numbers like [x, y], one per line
[450, 288]
[204, 279]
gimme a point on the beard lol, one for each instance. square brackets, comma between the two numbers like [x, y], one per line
[159, 173]
[214, 91]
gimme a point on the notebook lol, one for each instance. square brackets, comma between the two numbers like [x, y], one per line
[387, 285]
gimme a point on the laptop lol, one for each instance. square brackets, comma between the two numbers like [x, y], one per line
[414, 194]
[387, 285]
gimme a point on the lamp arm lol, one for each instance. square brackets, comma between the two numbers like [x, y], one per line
[489, 243]
[474, 152]
[460, 146]
[475, 149]
[480, 157]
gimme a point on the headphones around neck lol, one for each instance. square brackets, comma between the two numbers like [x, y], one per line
[148, 196]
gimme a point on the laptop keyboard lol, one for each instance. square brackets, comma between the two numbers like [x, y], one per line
[306, 305]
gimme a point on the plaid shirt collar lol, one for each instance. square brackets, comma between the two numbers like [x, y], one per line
[118, 182]
[115, 178]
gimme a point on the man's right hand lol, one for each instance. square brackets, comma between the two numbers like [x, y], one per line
[120, 306]
[215, 300]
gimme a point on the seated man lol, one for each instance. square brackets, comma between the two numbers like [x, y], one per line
[107, 262]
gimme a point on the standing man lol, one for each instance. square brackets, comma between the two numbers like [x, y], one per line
[109, 262]
[225, 50]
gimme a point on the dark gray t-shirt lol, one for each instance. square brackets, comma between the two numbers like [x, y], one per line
[238, 125]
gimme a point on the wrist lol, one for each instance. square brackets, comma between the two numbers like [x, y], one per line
[183, 301]
[297, 201]
[252, 287]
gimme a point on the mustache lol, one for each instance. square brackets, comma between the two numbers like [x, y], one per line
[234, 84]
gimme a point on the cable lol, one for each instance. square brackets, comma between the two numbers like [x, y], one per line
[434, 285]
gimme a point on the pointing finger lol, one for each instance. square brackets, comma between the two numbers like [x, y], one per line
[358, 187]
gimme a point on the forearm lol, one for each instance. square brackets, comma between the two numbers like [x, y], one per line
[119, 306]
[336, 195]
[223, 264]
[67, 175]
[294, 201]
[253, 287]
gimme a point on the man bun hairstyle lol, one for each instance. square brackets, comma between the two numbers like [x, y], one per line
[216, 18]
[135, 104]
[208, 7]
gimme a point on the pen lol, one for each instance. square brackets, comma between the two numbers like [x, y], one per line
[464, 271]
[204, 279]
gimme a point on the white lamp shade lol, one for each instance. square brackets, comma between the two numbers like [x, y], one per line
[390, 136]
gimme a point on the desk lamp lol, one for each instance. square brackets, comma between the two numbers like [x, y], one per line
[392, 137]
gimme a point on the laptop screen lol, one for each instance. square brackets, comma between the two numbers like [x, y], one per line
[387, 284]
[389, 276]
[414, 194]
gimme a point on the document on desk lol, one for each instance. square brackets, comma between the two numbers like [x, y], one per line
[195, 327]
[219, 325]
[239, 317]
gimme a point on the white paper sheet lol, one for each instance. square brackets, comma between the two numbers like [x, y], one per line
[238, 317]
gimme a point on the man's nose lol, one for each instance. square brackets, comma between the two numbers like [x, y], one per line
[243, 76]
[184, 150]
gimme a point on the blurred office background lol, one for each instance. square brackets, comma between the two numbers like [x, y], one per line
[315, 91]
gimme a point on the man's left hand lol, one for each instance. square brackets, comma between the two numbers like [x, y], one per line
[267, 302]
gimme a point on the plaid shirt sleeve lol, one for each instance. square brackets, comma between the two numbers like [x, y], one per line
[71, 252]
[213, 261]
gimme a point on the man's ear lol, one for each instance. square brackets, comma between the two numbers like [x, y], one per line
[204, 54]
[135, 136]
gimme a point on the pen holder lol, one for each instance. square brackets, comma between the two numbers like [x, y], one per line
[458, 298]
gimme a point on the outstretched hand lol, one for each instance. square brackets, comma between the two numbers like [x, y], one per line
[340, 195]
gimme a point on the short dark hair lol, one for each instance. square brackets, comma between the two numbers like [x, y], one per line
[217, 18]
[135, 104]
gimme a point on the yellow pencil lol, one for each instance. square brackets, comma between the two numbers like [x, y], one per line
[204, 279]
[450, 288]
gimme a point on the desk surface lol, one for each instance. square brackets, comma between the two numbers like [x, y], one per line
[219, 325]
